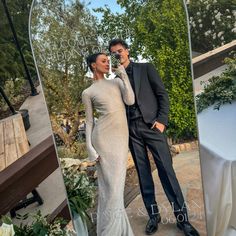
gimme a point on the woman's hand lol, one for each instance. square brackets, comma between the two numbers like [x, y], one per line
[120, 71]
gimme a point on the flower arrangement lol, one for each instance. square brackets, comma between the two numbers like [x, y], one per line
[80, 190]
[219, 90]
[81, 195]
[39, 227]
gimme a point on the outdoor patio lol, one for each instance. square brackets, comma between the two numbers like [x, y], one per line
[52, 189]
[187, 167]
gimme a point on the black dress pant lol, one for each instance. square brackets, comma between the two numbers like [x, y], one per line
[141, 138]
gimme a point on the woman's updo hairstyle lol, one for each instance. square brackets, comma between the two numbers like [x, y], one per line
[92, 59]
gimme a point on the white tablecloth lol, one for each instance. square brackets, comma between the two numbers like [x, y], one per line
[217, 136]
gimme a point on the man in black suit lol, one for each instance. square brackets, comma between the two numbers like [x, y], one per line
[147, 120]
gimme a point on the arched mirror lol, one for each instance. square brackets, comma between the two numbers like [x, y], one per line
[213, 43]
[153, 85]
[32, 190]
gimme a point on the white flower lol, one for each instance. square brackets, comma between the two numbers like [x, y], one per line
[215, 1]
[200, 25]
[208, 7]
[222, 38]
[220, 33]
[214, 36]
[227, 10]
[213, 22]
[215, 11]
[218, 15]
[7, 230]
[198, 13]
[200, 20]
[207, 33]
[229, 17]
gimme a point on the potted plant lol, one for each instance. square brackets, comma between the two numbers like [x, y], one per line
[81, 195]
[219, 90]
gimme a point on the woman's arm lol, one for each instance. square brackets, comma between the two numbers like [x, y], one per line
[125, 86]
[93, 155]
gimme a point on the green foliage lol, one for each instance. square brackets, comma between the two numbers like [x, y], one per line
[13, 90]
[212, 23]
[63, 34]
[12, 74]
[38, 227]
[158, 33]
[10, 62]
[77, 151]
[219, 90]
[80, 191]
[163, 37]
[112, 26]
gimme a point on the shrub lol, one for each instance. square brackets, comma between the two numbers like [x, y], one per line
[76, 151]
[80, 191]
[219, 90]
[13, 90]
[162, 31]
[212, 22]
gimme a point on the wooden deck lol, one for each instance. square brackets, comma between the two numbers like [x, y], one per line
[26, 173]
[13, 140]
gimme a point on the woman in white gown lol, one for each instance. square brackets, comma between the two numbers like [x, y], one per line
[107, 143]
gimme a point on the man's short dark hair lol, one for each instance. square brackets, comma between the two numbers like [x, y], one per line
[114, 42]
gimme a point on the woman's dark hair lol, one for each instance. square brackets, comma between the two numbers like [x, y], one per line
[92, 58]
[114, 42]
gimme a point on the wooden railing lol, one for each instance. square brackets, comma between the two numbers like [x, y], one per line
[26, 173]
[212, 59]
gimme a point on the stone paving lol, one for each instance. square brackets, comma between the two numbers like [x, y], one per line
[187, 167]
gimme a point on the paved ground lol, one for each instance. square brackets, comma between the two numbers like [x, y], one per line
[187, 169]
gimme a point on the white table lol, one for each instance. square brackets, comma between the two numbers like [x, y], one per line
[217, 136]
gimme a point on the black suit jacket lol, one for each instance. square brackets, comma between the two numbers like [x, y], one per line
[150, 92]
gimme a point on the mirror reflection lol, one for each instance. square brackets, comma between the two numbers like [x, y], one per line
[213, 41]
[28, 163]
[89, 103]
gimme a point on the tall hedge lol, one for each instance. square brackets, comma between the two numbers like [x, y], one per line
[159, 33]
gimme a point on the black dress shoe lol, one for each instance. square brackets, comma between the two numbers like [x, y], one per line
[152, 225]
[188, 229]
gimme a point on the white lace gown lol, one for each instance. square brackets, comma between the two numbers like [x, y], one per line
[108, 138]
